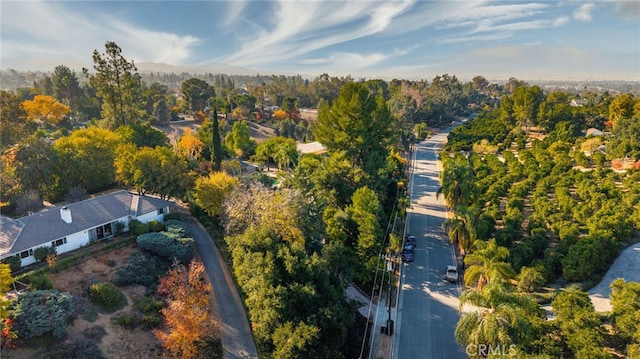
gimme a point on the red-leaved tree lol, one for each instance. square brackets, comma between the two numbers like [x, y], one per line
[187, 317]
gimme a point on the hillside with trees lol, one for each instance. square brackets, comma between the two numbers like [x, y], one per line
[536, 202]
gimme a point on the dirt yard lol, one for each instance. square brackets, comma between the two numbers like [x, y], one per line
[94, 324]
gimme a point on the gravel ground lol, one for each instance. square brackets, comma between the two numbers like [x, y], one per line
[627, 267]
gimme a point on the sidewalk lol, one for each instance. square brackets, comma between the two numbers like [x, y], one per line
[381, 342]
[378, 312]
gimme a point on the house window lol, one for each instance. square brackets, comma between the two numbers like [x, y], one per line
[161, 210]
[103, 232]
[26, 254]
[59, 242]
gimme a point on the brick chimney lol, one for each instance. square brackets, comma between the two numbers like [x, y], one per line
[65, 214]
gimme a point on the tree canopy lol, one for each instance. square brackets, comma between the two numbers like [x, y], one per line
[118, 85]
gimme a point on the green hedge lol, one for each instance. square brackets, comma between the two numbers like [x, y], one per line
[166, 245]
[178, 228]
[137, 228]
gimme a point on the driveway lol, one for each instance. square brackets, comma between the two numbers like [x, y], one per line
[235, 331]
[627, 267]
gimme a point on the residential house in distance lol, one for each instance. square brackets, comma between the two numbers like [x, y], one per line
[578, 102]
[75, 225]
[311, 147]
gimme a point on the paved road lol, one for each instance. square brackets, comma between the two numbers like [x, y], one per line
[427, 310]
[235, 332]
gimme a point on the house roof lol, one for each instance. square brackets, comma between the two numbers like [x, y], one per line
[594, 132]
[9, 230]
[311, 147]
[43, 227]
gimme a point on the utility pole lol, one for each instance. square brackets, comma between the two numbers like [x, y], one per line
[389, 321]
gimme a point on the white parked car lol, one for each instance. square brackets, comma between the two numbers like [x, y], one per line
[452, 274]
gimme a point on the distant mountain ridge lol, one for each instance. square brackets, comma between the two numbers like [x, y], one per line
[216, 68]
[12, 79]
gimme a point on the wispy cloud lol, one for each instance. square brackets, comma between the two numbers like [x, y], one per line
[491, 37]
[299, 28]
[153, 46]
[348, 60]
[234, 11]
[355, 61]
[583, 13]
[561, 21]
[517, 26]
[56, 30]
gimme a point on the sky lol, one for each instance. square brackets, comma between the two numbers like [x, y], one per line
[528, 40]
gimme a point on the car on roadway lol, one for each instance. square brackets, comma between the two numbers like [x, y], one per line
[410, 240]
[407, 254]
[452, 274]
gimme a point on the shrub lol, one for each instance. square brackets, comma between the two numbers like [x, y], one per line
[178, 228]
[150, 309]
[137, 228]
[165, 246]
[150, 321]
[42, 252]
[119, 228]
[67, 262]
[107, 295]
[209, 347]
[40, 281]
[41, 311]
[148, 305]
[173, 215]
[127, 320]
[80, 348]
[13, 262]
[95, 332]
[141, 268]
[155, 226]
[52, 260]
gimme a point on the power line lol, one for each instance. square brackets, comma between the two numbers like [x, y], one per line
[375, 280]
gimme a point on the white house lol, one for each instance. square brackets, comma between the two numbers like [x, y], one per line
[311, 147]
[75, 225]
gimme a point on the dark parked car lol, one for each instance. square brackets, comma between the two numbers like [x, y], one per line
[407, 255]
[410, 240]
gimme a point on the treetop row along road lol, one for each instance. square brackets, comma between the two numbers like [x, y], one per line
[427, 311]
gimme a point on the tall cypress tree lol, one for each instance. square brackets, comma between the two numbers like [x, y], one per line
[216, 144]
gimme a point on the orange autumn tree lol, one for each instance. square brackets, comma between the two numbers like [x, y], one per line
[189, 145]
[280, 114]
[187, 318]
[46, 109]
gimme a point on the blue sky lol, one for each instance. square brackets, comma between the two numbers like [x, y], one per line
[581, 40]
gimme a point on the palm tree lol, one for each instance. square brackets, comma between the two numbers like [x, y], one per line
[487, 263]
[457, 179]
[395, 244]
[461, 229]
[497, 318]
